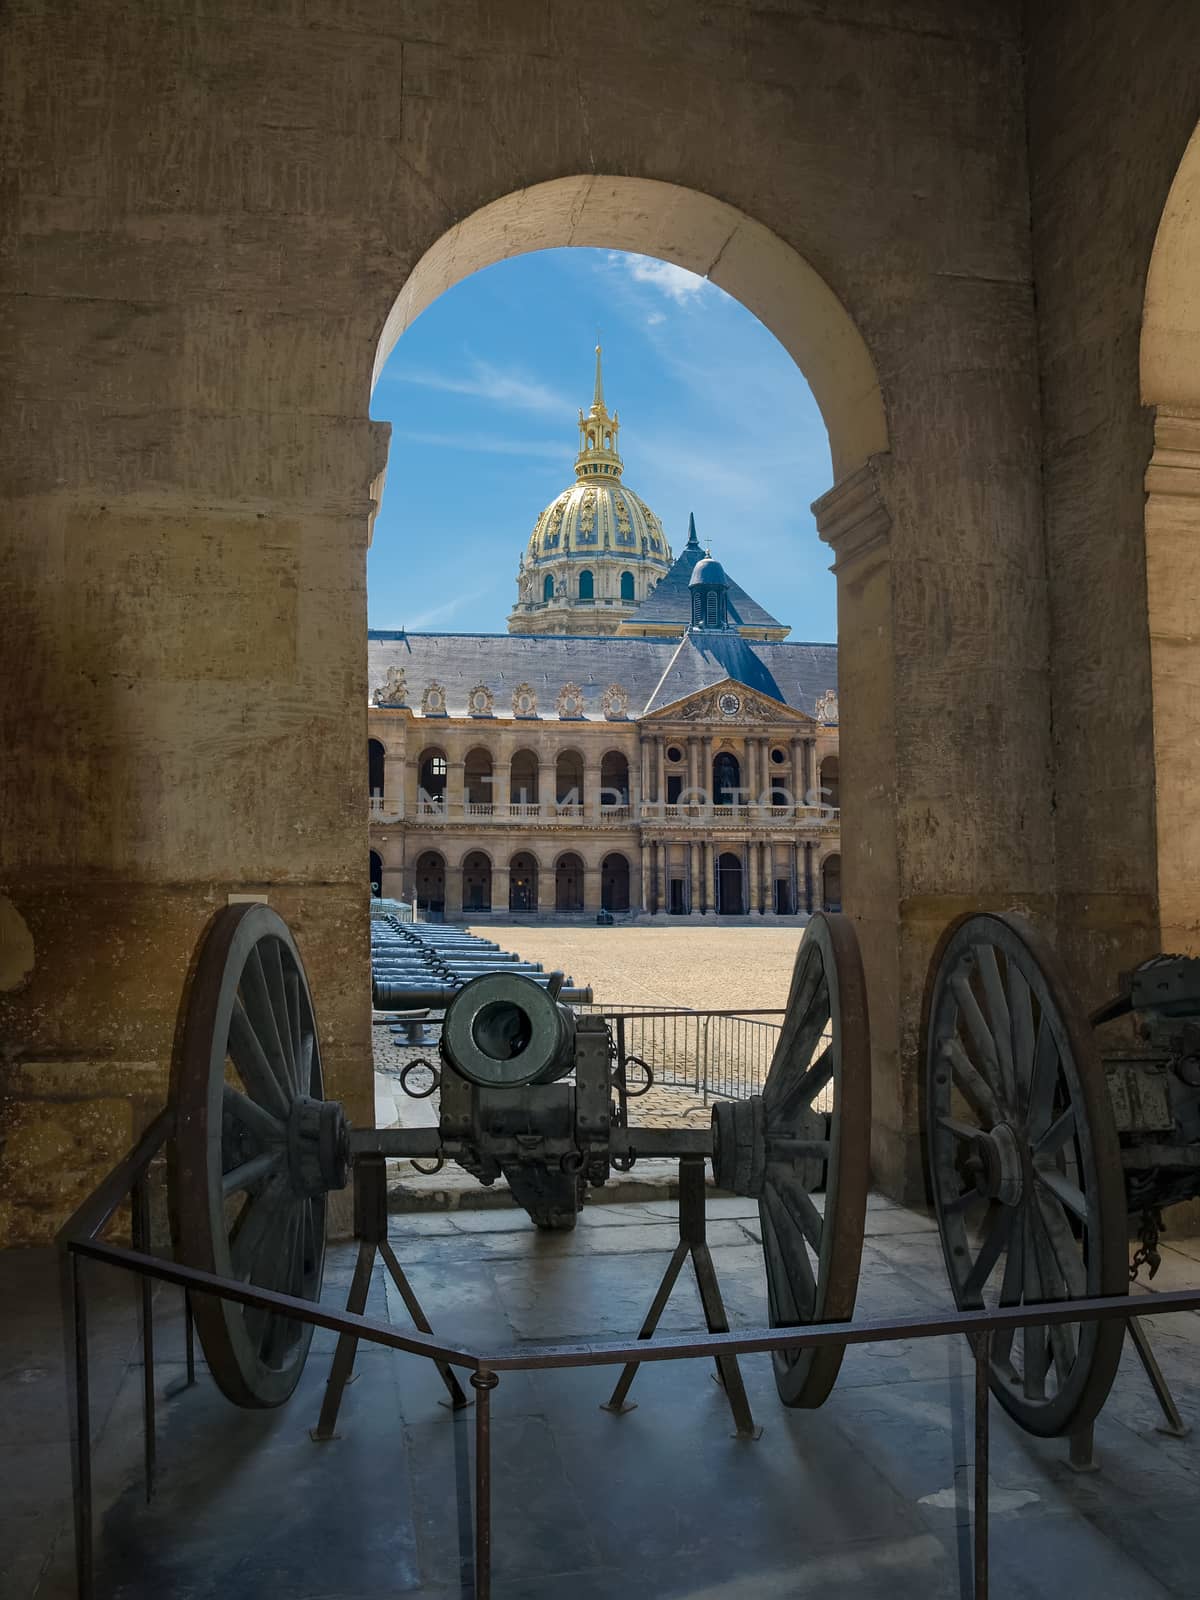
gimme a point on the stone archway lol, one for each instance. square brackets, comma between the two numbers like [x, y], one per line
[1170, 382]
[568, 882]
[523, 882]
[477, 881]
[376, 875]
[614, 882]
[429, 894]
[731, 901]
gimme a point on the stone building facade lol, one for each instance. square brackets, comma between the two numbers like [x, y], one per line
[688, 776]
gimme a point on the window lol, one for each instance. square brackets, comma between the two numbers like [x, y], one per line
[548, 587]
[586, 585]
[627, 586]
[711, 606]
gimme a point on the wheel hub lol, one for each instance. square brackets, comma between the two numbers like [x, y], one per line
[994, 1165]
[318, 1146]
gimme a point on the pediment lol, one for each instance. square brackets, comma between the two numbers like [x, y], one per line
[713, 707]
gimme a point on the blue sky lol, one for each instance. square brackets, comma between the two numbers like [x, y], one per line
[483, 394]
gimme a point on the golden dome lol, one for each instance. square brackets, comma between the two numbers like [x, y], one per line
[597, 550]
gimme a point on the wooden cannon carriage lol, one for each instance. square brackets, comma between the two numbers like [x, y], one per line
[1038, 1148]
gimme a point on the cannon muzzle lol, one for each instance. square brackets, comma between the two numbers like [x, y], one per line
[505, 1031]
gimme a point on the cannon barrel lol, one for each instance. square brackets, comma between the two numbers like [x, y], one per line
[504, 1030]
[410, 994]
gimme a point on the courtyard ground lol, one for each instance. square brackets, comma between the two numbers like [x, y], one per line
[710, 969]
[866, 1499]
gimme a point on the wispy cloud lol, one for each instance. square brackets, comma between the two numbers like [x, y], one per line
[543, 451]
[677, 283]
[501, 388]
[444, 612]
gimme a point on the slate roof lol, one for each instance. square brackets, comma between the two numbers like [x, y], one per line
[703, 659]
[671, 598]
[794, 673]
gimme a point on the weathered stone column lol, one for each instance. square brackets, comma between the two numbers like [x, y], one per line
[591, 889]
[454, 892]
[455, 788]
[1172, 585]
[753, 901]
[500, 887]
[661, 890]
[644, 847]
[547, 784]
[694, 875]
[660, 774]
[591, 792]
[710, 879]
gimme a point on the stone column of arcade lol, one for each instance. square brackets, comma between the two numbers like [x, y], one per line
[186, 609]
[591, 889]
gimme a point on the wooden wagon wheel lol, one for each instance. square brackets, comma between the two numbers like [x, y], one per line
[256, 1148]
[812, 1121]
[1024, 1162]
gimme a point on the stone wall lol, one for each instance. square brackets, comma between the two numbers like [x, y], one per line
[1113, 99]
[211, 214]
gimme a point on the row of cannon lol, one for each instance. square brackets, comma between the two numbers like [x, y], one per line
[421, 964]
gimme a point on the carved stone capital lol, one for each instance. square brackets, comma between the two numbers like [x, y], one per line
[853, 517]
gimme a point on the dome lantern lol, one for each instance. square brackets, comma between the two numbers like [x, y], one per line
[598, 456]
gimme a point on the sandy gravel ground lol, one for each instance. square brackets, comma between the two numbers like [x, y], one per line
[707, 968]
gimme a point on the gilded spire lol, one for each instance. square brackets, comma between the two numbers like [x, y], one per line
[598, 456]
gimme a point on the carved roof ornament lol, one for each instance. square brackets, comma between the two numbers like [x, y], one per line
[569, 704]
[524, 701]
[433, 701]
[826, 709]
[392, 690]
[481, 701]
[614, 702]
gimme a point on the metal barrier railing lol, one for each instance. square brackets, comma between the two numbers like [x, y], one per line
[80, 1242]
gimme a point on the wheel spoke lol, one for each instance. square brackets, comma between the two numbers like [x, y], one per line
[1011, 1287]
[1061, 1187]
[1033, 1339]
[251, 1061]
[258, 1167]
[1020, 1005]
[271, 960]
[1063, 1246]
[1056, 1135]
[259, 1121]
[809, 1085]
[1043, 1081]
[803, 1213]
[291, 989]
[796, 1044]
[974, 1087]
[255, 1227]
[260, 1008]
[960, 1130]
[998, 1225]
[985, 1045]
[799, 1285]
[1000, 1020]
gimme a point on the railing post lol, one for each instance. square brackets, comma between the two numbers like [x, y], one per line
[483, 1382]
[83, 1439]
[983, 1352]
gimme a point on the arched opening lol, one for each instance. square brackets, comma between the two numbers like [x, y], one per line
[831, 791]
[614, 779]
[614, 882]
[431, 777]
[587, 585]
[627, 587]
[429, 886]
[477, 882]
[1170, 382]
[523, 882]
[730, 902]
[568, 883]
[831, 883]
[477, 780]
[376, 874]
[548, 587]
[375, 772]
[523, 779]
[726, 779]
[568, 778]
